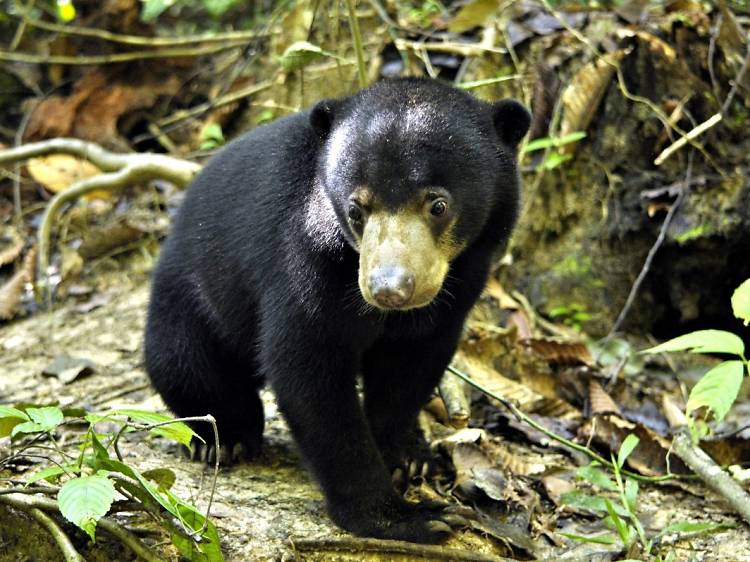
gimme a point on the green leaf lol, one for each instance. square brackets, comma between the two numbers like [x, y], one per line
[702, 341]
[631, 494]
[10, 412]
[628, 444]
[620, 525]
[49, 474]
[211, 136]
[83, 501]
[597, 477]
[209, 548]
[48, 417]
[553, 160]
[741, 302]
[607, 538]
[114, 465]
[10, 418]
[26, 427]
[691, 527]
[299, 54]
[584, 501]
[176, 431]
[718, 389]
[473, 14]
[152, 9]
[550, 142]
[163, 477]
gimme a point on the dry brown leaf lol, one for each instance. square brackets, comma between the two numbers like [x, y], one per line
[556, 487]
[651, 456]
[13, 289]
[515, 464]
[600, 401]
[584, 93]
[57, 171]
[11, 245]
[100, 99]
[560, 352]
[657, 46]
[528, 400]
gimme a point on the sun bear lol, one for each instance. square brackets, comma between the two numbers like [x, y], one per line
[349, 240]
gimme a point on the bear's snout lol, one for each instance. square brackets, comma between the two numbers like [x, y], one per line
[391, 287]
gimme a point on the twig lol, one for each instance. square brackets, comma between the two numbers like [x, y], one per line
[455, 400]
[209, 105]
[357, 38]
[455, 48]
[737, 81]
[174, 52]
[68, 550]
[712, 474]
[655, 248]
[521, 416]
[689, 136]
[412, 550]
[141, 40]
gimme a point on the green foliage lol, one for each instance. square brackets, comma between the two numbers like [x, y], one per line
[301, 53]
[89, 481]
[211, 136]
[86, 499]
[553, 157]
[152, 9]
[621, 515]
[573, 315]
[718, 388]
[473, 14]
[741, 302]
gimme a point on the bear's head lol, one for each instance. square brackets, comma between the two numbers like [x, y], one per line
[417, 171]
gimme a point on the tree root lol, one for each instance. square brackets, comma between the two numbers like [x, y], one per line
[36, 506]
[120, 170]
[425, 551]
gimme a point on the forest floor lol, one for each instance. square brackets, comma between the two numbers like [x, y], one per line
[262, 508]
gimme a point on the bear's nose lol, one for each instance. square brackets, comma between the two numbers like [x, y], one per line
[391, 287]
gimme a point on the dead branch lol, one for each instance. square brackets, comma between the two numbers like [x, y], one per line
[712, 474]
[29, 503]
[412, 550]
[121, 170]
[139, 39]
[168, 52]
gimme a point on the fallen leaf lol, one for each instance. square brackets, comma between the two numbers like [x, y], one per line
[57, 172]
[67, 368]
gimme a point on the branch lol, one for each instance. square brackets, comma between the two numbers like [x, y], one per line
[173, 52]
[139, 39]
[412, 550]
[27, 503]
[712, 474]
[120, 170]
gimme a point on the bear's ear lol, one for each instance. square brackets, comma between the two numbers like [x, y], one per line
[321, 117]
[512, 120]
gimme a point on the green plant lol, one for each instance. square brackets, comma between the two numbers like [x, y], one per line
[91, 476]
[621, 515]
[717, 390]
[553, 156]
[573, 315]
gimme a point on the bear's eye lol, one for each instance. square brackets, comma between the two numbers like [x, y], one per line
[439, 207]
[354, 213]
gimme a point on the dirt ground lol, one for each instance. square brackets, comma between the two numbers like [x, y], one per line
[262, 508]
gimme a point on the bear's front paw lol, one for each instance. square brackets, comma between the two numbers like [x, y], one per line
[394, 518]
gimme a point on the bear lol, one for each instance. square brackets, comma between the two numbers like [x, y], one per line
[343, 243]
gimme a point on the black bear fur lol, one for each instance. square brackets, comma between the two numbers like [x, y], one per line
[258, 282]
